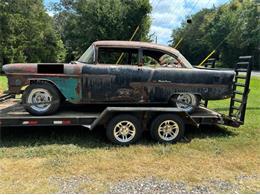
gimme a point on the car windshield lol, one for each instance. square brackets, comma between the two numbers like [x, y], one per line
[88, 56]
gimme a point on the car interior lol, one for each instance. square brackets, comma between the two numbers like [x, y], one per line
[130, 56]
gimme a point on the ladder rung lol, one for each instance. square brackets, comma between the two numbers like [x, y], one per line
[240, 76]
[243, 63]
[241, 70]
[238, 92]
[245, 57]
[237, 100]
[233, 115]
[240, 84]
[234, 107]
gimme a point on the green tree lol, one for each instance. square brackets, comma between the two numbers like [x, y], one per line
[233, 28]
[194, 45]
[81, 22]
[27, 33]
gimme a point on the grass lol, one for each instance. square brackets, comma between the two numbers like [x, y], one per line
[31, 157]
[3, 84]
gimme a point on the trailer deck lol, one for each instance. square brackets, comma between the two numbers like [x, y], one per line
[12, 113]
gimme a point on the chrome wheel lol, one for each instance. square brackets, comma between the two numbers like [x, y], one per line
[185, 100]
[124, 131]
[168, 130]
[41, 99]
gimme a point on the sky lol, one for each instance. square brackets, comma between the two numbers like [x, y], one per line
[169, 14]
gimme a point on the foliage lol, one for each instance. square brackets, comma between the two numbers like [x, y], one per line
[81, 22]
[3, 84]
[235, 23]
[27, 33]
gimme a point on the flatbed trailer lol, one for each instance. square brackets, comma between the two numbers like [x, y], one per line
[135, 119]
[13, 114]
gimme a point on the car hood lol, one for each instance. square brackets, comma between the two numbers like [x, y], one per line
[20, 68]
[33, 68]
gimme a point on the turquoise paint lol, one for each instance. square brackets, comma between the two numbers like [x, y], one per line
[68, 87]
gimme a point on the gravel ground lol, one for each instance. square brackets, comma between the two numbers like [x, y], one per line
[153, 185]
[69, 185]
[148, 186]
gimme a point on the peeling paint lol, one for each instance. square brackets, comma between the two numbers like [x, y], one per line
[85, 83]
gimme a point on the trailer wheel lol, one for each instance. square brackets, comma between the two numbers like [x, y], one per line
[124, 129]
[167, 128]
[35, 97]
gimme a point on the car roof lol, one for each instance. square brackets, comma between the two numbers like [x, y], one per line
[136, 44]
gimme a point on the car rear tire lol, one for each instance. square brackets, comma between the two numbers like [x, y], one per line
[35, 96]
[186, 98]
[167, 128]
[124, 129]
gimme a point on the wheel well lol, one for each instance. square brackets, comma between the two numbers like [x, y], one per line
[154, 115]
[40, 81]
[114, 114]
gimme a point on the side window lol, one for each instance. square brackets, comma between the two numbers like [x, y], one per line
[154, 58]
[149, 61]
[169, 61]
[151, 58]
[122, 56]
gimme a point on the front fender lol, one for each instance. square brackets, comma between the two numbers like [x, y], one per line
[70, 88]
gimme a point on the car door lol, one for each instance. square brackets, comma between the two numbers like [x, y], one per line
[115, 78]
[162, 81]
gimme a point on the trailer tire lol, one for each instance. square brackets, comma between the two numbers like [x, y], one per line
[167, 128]
[41, 91]
[124, 129]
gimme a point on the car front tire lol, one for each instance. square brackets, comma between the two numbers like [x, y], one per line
[41, 99]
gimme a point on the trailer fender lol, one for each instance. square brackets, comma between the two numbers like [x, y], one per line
[109, 112]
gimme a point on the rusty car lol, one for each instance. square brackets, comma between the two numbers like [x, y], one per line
[118, 72]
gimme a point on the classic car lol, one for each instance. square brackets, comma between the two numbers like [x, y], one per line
[114, 72]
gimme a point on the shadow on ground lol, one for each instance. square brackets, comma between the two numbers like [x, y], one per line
[34, 136]
[207, 131]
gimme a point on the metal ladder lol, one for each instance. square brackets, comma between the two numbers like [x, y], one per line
[241, 89]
